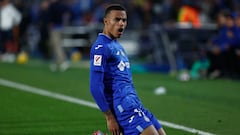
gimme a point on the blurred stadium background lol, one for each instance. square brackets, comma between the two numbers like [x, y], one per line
[162, 35]
[166, 51]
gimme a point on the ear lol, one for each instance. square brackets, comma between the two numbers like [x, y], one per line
[105, 20]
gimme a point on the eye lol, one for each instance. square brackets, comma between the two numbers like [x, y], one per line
[117, 19]
[124, 20]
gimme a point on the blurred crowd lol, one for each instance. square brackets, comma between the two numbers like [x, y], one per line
[34, 26]
[224, 48]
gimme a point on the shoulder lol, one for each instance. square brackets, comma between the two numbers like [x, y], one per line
[101, 45]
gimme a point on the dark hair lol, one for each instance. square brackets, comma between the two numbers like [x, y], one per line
[113, 7]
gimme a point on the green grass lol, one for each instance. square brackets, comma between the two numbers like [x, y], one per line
[28, 114]
[208, 105]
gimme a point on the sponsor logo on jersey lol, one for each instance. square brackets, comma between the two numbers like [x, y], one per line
[131, 119]
[122, 65]
[97, 60]
[97, 47]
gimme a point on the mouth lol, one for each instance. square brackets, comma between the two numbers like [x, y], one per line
[120, 30]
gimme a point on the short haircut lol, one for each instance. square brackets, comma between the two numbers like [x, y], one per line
[113, 7]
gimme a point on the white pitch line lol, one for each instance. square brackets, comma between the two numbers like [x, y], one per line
[38, 91]
[43, 92]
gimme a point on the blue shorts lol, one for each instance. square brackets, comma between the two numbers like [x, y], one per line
[132, 116]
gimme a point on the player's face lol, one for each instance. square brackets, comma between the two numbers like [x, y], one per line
[115, 23]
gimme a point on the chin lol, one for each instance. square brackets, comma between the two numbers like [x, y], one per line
[118, 36]
[115, 37]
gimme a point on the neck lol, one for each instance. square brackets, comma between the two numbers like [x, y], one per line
[106, 36]
[107, 33]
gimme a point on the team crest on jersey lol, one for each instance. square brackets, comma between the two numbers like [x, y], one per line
[121, 66]
[97, 61]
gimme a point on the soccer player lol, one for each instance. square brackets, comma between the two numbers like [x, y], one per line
[111, 82]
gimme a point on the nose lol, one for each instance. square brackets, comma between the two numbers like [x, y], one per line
[121, 23]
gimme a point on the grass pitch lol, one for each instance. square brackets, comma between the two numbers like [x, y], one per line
[208, 105]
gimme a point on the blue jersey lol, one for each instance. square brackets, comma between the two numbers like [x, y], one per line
[112, 87]
[109, 71]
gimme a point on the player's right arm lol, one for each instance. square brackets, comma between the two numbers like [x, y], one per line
[97, 64]
[97, 88]
[98, 58]
[112, 123]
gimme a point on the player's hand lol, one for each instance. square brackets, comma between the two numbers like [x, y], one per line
[112, 124]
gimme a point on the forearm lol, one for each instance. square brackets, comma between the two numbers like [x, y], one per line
[97, 88]
[109, 115]
[112, 123]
